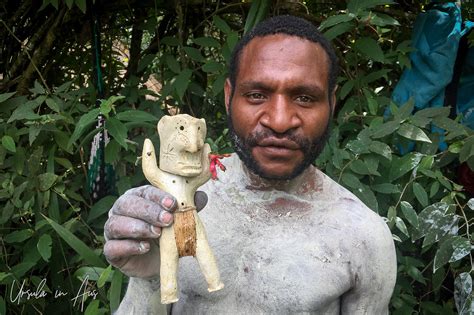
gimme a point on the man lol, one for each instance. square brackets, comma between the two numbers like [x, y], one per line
[287, 238]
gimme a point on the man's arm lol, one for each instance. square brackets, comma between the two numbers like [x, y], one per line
[374, 274]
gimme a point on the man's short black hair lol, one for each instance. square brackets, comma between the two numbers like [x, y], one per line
[289, 25]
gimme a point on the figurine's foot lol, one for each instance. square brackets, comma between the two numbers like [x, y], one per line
[217, 287]
[169, 301]
[168, 298]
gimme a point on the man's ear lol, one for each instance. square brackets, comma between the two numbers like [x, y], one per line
[227, 94]
[333, 98]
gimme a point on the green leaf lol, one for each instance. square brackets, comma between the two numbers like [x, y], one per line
[386, 188]
[463, 293]
[221, 24]
[206, 42]
[115, 290]
[89, 256]
[335, 19]
[401, 226]
[416, 274]
[258, 11]
[24, 111]
[145, 61]
[212, 66]
[20, 269]
[420, 194]
[81, 4]
[52, 104]
[181, 82]
[467, 150]
[6, 96]
[8, 143]
[443, 254]
[173, 64]
[117, 130]
[381, 19]
[435, 222]
[69, 3]
[85, 121]
[382, 149]
[101, 207]
[136, 116]
[412, 132]
[409, 213]
[350, 180]
[367, 196]
[461, 248]
[170, 41]
[18, 236]
[346, 89]
[93, 308]
[33, 132]
[370, 47]
[44, 246]
[194, 54]
[46, 181]
[385, 129]
[358, 5]
[104, 276]
[339, 29]
[432, 112]
[37, 88]
[401, 166]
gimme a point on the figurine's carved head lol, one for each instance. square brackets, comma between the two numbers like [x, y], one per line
[181, 143]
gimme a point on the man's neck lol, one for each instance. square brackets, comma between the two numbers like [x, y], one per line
[294, 185]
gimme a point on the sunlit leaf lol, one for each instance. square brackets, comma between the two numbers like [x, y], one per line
[412, 132]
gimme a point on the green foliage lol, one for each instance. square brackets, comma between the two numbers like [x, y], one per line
[50, 228]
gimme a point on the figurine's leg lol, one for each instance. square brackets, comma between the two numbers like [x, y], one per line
[206, 258]
[168, 266]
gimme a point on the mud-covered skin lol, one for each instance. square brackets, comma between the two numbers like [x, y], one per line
[309, 246]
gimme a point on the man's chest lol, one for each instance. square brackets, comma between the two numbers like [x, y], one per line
[282, 264]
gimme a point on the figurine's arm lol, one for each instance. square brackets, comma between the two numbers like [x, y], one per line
[205, 162]
[149, 166]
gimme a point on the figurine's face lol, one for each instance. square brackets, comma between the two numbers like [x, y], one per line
[181, 143]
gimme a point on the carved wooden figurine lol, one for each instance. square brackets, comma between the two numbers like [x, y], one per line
[184, 166]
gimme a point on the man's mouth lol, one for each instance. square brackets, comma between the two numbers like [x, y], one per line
[277, 148]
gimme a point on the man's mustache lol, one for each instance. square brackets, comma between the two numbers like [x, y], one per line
[268, 137]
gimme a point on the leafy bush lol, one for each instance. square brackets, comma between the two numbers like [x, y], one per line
[51, 230]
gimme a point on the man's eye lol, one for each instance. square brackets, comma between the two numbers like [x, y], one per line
[304, 99]
[255, 96]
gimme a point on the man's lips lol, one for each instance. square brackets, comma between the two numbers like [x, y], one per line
[278, 144]
[274, 148]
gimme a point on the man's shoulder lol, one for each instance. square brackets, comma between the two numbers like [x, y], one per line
[350, 211]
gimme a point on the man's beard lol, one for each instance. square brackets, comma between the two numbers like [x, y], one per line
[311, 148]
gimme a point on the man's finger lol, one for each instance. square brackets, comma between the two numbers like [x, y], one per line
[134, 206]
[116, 250]
[120, 227]
[200, 200]
[167, 201]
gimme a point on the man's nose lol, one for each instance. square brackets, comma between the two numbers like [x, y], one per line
[195, 142]
[280, 115]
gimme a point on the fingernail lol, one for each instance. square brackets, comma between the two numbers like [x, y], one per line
[166, 217]
[143, 247]
[167, 202]
[155, 230]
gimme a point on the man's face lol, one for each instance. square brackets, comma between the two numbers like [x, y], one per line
[280, 108]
